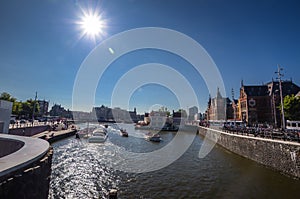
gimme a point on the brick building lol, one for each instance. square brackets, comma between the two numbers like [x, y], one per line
[255, 104]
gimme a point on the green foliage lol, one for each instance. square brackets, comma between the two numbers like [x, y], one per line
[7, 97]
[17, 108]
[21, 108]
[27, 108]
[291, 105]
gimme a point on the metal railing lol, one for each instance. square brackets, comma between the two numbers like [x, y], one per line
[270, 133]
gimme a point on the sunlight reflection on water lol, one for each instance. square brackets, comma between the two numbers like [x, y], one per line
[82, 170]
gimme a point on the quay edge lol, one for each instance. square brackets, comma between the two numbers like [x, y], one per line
[25, 169]
[283, 156]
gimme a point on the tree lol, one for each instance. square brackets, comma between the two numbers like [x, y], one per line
[7, 97]
[20, 108]
[17, 108]
[291, 106]
[27, 108]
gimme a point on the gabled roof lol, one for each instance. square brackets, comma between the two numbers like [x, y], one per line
[256, 90]
[288, 87]
[236, 101]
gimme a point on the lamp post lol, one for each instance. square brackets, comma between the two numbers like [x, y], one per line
[34, 106]
[281, 97]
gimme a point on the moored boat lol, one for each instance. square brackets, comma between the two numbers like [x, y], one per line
[99, 135]
[84, 133]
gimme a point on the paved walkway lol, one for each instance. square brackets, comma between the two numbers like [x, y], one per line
[50, 134]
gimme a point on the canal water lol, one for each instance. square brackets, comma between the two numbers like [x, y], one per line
[83, 170]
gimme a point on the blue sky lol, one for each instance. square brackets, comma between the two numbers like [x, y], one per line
[41, 49]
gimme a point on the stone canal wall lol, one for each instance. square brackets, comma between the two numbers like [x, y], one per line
[25, 173]
[280, 155]
[61, 135]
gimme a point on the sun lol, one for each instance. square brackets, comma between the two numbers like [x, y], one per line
[92, 25]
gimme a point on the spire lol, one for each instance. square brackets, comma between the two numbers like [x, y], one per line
[209, 101]
[218, 93]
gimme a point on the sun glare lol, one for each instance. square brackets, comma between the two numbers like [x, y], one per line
[92, 25]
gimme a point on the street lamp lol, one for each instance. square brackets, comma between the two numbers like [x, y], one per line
[34, 106]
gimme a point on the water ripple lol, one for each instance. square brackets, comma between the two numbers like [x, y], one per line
[82, 170]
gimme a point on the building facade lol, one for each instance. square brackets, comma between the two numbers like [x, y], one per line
[179, 117]
[193, 111]
[217, 107]
[5, 113]
[158, 119]
[44, 105]
[81, 116]
[103, 114]
[255, 104]
[260, 103]
[58, 110]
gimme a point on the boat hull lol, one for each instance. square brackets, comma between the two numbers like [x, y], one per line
[97, 139]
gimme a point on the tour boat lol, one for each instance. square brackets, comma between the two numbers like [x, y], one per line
[153, 137]
[84, 133]
[99, 135]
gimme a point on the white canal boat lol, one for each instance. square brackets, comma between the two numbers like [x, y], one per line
[99, 135]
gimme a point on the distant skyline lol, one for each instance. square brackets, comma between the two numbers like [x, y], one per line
[42, 45]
